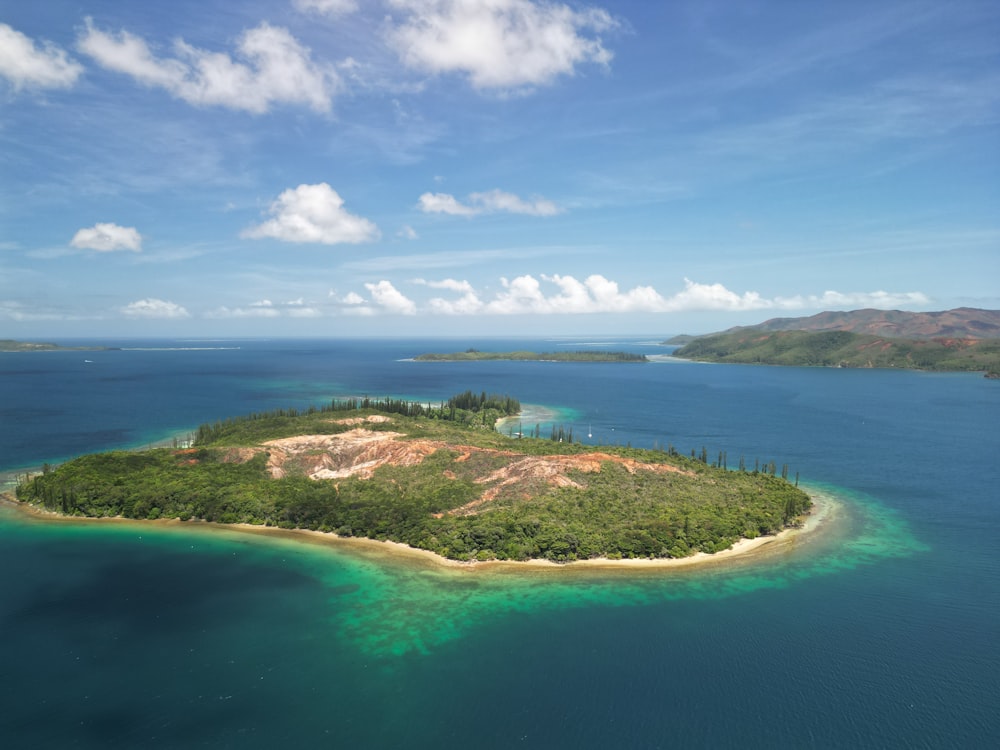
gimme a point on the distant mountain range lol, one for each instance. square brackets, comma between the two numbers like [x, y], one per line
[961, 323]
[960, 339]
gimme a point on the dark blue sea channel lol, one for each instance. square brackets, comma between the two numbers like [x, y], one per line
[883, 631]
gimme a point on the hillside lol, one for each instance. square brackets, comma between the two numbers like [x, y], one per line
[844, 349]
[437, 479]
[962, 322]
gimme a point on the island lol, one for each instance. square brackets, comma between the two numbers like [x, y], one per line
[10, 345]
[474, 355]
[438, 478]
[955, 340]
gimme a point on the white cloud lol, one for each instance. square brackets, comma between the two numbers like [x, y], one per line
[468, 304]
[275, 68]
[391, 299]
[492, 201]
[498, 200]
[313, 213]
[326, 7]
[154, 308]
[353, 298]
[107, 237]
[714, 297]
[265, 308]
[596, 294]
[499, 44]
[453, 284]
[407, 232]
[25, 65]
[442, 203]
[880, 299]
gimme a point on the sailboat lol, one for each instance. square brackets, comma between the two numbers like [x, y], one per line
[590, 432]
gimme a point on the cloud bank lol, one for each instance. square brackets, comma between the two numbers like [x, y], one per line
[566, 295]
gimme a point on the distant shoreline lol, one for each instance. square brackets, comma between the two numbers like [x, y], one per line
[474, 355]
[824, 510]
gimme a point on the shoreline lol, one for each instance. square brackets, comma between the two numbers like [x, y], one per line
[823, 511]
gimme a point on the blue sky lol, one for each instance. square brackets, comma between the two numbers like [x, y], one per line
[439, 167]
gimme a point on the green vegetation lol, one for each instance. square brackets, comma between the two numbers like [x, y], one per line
[844, 349]
[472, 493]
[470, 409]
[474, 355]
[9, 345]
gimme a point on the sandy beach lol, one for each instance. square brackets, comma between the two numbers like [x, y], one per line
[824, 510]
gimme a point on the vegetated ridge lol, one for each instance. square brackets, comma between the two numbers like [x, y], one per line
[10, 345]
[962, 323]
[948, 341]
[435, 478]
[474, 355]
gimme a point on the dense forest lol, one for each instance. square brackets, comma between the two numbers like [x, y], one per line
[474, 355]
[446, 485]
[844, 349]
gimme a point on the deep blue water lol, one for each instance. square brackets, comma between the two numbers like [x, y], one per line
[883, 633]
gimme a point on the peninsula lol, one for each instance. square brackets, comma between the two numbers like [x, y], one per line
[474, 355]
[436, 478]
[954, 340]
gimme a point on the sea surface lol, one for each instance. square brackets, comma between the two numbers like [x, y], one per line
[881, 632]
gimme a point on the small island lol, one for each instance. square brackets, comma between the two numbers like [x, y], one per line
[438, 478]
[10, 345]
[474, 355]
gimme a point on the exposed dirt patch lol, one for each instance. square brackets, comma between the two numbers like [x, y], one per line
[356, 452]
[373, 419]
[359, 452]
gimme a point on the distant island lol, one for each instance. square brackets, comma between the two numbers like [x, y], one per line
[955, 340]
[474, 355]
[9, 345]
[436, 478]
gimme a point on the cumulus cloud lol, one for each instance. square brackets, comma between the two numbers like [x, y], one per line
[468, 304]
[407, 232]
[154, 308]
[492, 201]
[499, 44]
[313, 213]
[107, 237]
[566, 295]
[27, 65]
[326, 7]
[271, 67]
[390, 299]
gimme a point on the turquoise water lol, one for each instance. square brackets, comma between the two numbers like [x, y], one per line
[881, 632]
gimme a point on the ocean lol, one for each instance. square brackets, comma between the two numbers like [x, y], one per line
[881, 632]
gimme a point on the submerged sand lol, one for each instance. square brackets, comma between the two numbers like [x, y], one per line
[823, 511]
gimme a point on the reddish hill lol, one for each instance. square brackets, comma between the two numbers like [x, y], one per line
[960, 323]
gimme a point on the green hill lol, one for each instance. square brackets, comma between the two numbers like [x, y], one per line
[844, 349]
